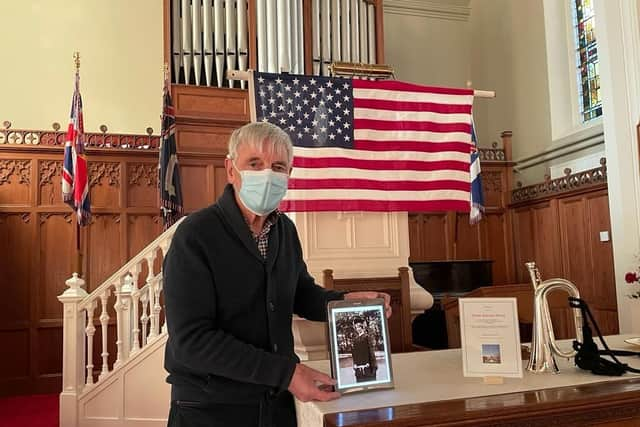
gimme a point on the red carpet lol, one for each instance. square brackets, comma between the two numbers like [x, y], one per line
[40, 410]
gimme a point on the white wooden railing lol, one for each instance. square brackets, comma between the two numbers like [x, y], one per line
[138, 322]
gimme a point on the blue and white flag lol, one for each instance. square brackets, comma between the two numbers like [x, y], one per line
[477, 199]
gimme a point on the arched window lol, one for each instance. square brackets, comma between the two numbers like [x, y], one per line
[587, 66]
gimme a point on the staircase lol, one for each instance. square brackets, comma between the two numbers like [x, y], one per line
[124, 314]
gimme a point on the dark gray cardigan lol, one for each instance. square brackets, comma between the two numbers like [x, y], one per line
[229, 310]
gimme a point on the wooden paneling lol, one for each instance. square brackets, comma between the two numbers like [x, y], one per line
[15, 180]
[50, 172]
[211, 104]
[49, 351]
[39, 229]
[555, 224]
[467, 247]
[536, 238]
[196, 177]
[415, 243]
[429, 236]
[15, 359]
[436, 236]
[524, 241]
[435, 248]
[545, 238]
[142, 188]
[494, 184]
[561, 233]
[142, 230]
[105, 259]
[586, 260]
[497, 246]
[105, 184]
[574, 235]
[599, 219]
[16, 233]
[56, 262]
[203, 139]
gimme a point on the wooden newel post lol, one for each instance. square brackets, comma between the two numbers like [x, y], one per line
[73, 357]
[506, 145]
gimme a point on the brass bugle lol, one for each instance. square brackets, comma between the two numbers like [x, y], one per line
[543, 343]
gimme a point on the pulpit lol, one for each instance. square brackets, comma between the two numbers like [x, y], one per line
[450, 278]
[523, 293]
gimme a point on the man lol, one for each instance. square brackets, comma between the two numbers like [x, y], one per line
[363, 353]
[233, 278]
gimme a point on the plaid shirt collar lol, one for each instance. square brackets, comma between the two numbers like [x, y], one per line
[262, 238]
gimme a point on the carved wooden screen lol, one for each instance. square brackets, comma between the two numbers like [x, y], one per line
[37, 235]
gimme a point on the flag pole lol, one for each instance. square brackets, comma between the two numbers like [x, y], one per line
[252, 97]
[76, 61]
[247, 75]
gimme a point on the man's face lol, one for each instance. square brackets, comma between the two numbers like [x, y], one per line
[359, 328]
[256, 158]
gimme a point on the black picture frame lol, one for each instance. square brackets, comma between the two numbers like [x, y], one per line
[359, 345]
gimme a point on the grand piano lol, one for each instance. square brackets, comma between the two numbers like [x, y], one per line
[453, 278]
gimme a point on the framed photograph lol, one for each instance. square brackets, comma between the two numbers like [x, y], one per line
[359, 345]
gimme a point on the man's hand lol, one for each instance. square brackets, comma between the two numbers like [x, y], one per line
[371, 295]
[308, 384]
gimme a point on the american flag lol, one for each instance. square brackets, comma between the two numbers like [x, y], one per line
[169, 170]
[75, 176]
[362, 145]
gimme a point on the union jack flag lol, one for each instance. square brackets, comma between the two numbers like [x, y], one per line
[75, 176]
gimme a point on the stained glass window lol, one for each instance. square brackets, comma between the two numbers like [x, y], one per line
[588, 68]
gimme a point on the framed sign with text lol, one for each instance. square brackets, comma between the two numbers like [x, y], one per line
[490, 337]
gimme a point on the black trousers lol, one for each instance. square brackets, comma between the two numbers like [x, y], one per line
[271, 412]
[365, 374]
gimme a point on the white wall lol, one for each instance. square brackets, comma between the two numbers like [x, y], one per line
[491, 67]
[619, 44]
[509, 56]
[497, 45]
[427, 42]
[120, 43]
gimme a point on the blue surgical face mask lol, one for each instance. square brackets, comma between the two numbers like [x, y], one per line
[262, 191]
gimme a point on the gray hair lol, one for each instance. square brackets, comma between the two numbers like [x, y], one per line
[257, 133]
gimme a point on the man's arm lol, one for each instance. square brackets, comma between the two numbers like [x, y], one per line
[190, 301]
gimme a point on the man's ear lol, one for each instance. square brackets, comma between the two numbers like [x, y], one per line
[228, 165]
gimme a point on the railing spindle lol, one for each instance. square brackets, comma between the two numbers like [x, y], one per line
[135, 297]
[151, 284]
[90, 331]
[144, 318]
[104, 324]
[118, 308]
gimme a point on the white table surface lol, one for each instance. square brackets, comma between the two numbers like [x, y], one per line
[430, 376]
